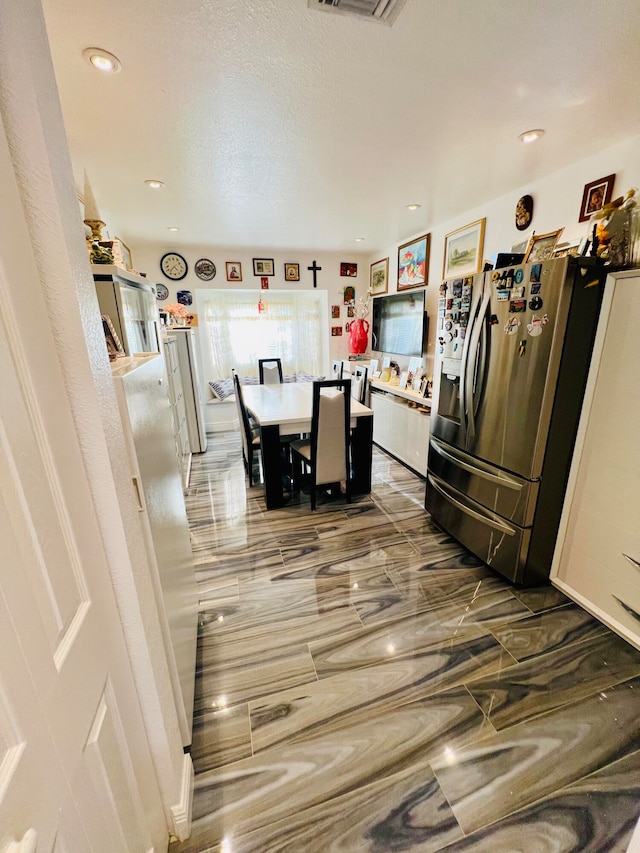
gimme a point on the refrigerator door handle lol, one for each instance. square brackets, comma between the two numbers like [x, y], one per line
[452, 456]
[464, 366]
[440, 487]
[472, 358]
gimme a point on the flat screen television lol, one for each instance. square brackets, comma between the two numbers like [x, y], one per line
[399, 323]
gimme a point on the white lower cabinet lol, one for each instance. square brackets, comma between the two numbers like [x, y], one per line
[597, 558]
[400, 429]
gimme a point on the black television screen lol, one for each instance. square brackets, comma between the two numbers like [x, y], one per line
[399, 323]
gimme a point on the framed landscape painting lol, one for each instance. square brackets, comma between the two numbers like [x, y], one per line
[379, 277]
[463, 250]
[413, 263]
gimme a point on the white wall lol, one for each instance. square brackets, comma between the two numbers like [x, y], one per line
[557, 198]
[146, 258]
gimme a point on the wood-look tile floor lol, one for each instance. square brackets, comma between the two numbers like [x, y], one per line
[365, 684]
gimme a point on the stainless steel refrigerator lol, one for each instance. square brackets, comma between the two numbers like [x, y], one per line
[514, 353]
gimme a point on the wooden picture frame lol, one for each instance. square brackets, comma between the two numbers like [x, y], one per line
[349, 269]
[595, 195]
[413, 263]
[263, 266]
[234, 270]
[114, 346]
[379, 277]
[463, 250]
[542, 246]
[292, 272]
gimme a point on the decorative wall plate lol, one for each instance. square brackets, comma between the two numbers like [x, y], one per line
[205, 269]
[162, 291]
[524, 212]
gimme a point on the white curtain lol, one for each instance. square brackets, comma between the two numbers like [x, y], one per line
[237, 333]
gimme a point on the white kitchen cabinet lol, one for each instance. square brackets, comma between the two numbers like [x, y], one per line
[399, 428]
[141, 391]
[597, 557]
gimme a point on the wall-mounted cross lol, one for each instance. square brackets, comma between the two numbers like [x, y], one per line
[314, 269]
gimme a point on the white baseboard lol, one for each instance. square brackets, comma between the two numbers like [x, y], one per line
[182, 811]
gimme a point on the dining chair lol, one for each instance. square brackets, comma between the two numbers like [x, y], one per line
[359, 384]
[270, 370]
[250, 436]
[326, 453]
[337, 367]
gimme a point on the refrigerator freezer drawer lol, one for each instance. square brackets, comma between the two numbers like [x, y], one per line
[499, 543]
[506, 494]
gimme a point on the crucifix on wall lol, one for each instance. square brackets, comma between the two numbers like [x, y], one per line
[314, 268]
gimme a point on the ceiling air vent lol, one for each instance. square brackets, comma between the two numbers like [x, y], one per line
[382, 11]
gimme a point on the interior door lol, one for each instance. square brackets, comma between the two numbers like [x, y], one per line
[75, 767]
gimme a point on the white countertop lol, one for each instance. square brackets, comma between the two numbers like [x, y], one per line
[407, 393]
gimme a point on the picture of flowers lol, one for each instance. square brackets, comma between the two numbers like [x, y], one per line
[413, 263]
[379, 277]
[463, 250]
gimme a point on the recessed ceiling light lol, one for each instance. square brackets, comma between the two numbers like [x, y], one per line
[531, 135]
[102, 59]
[172, 228]
[155, 185]
[414, 206]
[359, 239]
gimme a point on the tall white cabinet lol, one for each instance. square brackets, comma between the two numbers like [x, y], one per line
[597, 558]
[141, 390]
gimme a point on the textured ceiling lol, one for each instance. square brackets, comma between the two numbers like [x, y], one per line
[274, 125]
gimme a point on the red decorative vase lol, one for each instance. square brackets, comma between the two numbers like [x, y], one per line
[358, 336]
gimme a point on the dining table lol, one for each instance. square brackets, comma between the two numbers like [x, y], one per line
[286, 410]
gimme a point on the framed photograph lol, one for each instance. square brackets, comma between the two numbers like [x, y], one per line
[234, 271]
[348, 269]
[463, 250]
[349, 294]
[336, 331]
[335, 312]
[595, 196]
[114, 347]
[351, 310]
[263, 266]
[413, 263]
[379, 277]
[541, 246]
[564, 249]
[292, 272]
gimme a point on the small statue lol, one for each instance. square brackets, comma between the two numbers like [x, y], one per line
[100, 254]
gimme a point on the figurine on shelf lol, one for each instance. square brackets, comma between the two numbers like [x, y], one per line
[99, 254]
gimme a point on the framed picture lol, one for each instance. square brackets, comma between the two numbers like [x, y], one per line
[349, 294]
[263, 266]
[125, 252]
[413, 263]
[595, 196]
[114, 347]
[234, 271]
[348, 269]
[463, 250]
[541, 246]
[379, 277]
[292, 272]
[351, 310]
[336, 331]
[563, 249]
[335, 312]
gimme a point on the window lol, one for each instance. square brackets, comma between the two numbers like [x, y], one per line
[237, 333]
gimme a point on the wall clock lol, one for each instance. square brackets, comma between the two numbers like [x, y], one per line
[173, 266]
[161, 291]
[205, 269]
